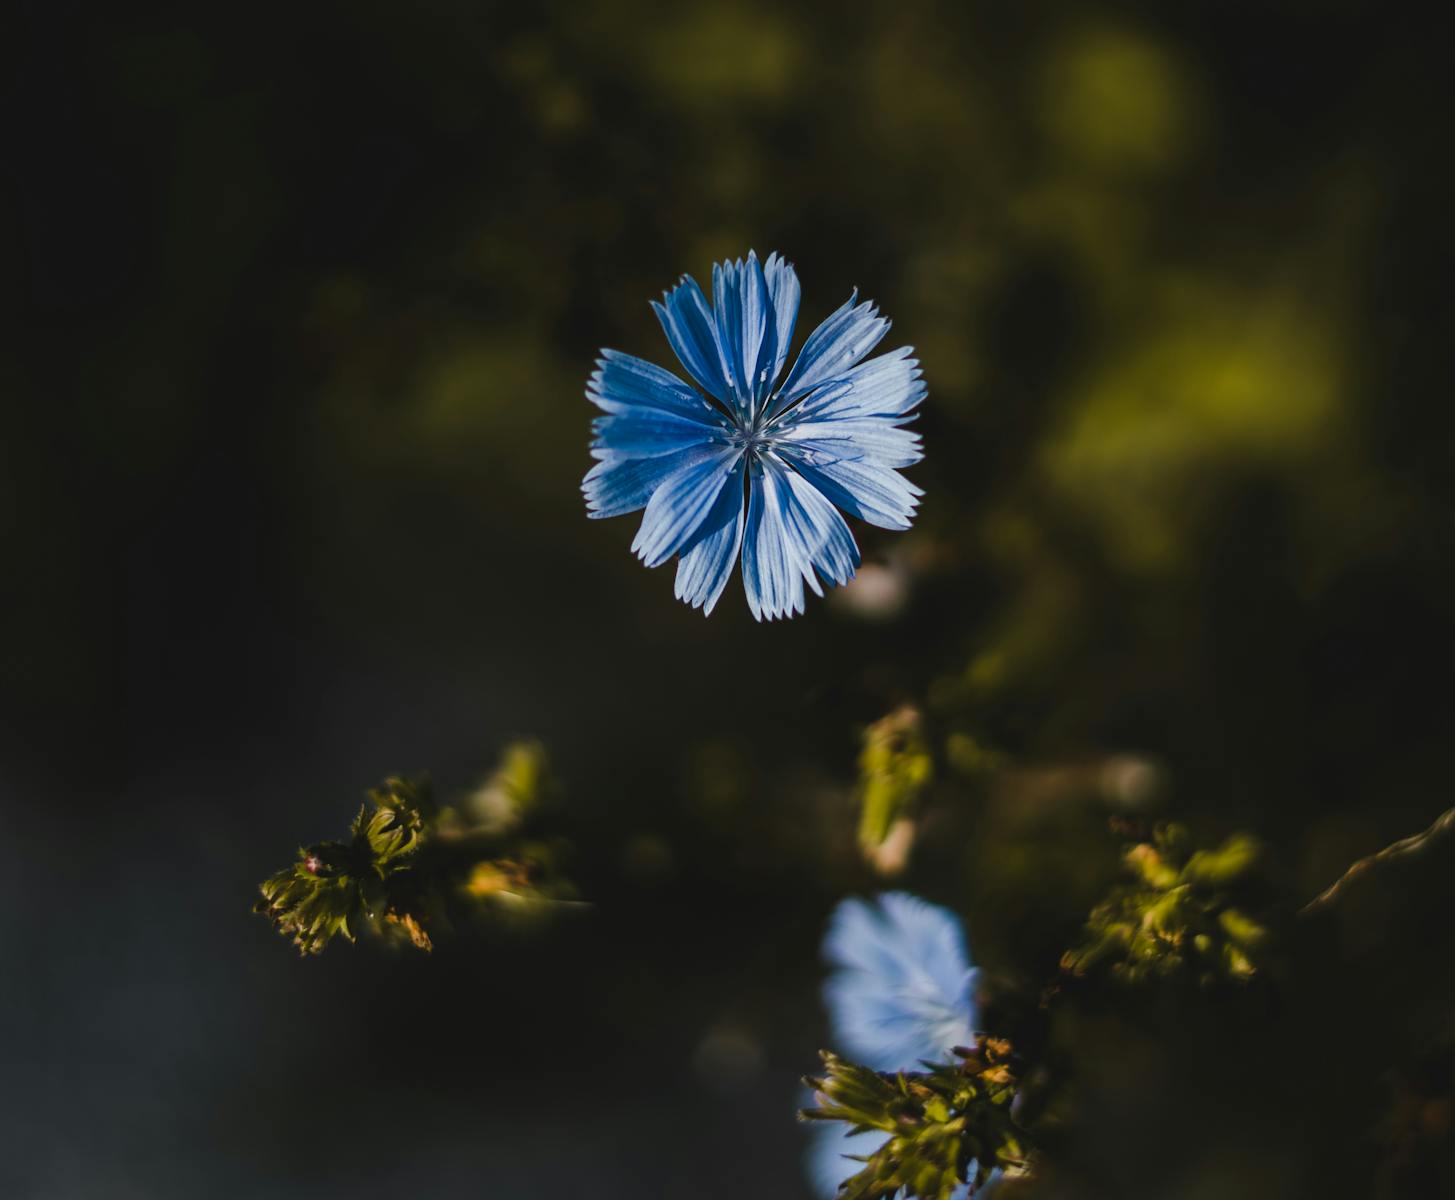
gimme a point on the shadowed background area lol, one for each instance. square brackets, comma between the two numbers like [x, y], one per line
[302, 304]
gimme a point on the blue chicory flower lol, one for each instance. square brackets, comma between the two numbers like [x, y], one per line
[901, 992]
[750, 467]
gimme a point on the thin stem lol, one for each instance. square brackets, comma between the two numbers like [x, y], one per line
[1403, 848]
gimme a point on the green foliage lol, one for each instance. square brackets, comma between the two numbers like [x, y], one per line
[334, 882]
[411, 867]
[520, 782]
[1184, 912]
[948, 1125]
[894, 769]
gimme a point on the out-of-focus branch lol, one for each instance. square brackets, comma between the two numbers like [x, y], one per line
[1404, 848]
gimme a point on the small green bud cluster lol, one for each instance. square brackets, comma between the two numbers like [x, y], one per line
[410, 865]
[1184, 912]
[333, 883]
[949, 1125]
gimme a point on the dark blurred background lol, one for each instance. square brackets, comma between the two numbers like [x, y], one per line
[302, 301]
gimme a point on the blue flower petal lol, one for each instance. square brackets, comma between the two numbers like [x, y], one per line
[901, 990]
[820, 534]
[688, 322]
[874, 494]
[888, 387]
[727, 311]
[874, 442]
[623, 383]
[704, 569]
[839, 343]
[681, 503]
[793, 535]
[646, 433]
[772, 571]
[784, 292]
[758, 332]
[617, 486]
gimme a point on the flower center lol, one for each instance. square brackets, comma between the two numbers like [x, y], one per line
[755, 437]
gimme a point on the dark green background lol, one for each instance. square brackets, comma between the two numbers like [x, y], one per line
[301, 306]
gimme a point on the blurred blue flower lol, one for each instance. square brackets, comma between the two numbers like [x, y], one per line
[755, 468]
[901, 992]
[901, 986]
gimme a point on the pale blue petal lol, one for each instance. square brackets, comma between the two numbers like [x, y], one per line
[901, 989]
[820, 535]
[877, 495]
[897, 936]
[687, 321]
[680, 505]
[727, 311]
[873, 441]
[617, 486]
[758, 335]
[706, 564]
[773, 572]
[841, 341]
[784, 292]
[793, 536]
[888, 386]
[646, 433]
[623, 383]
